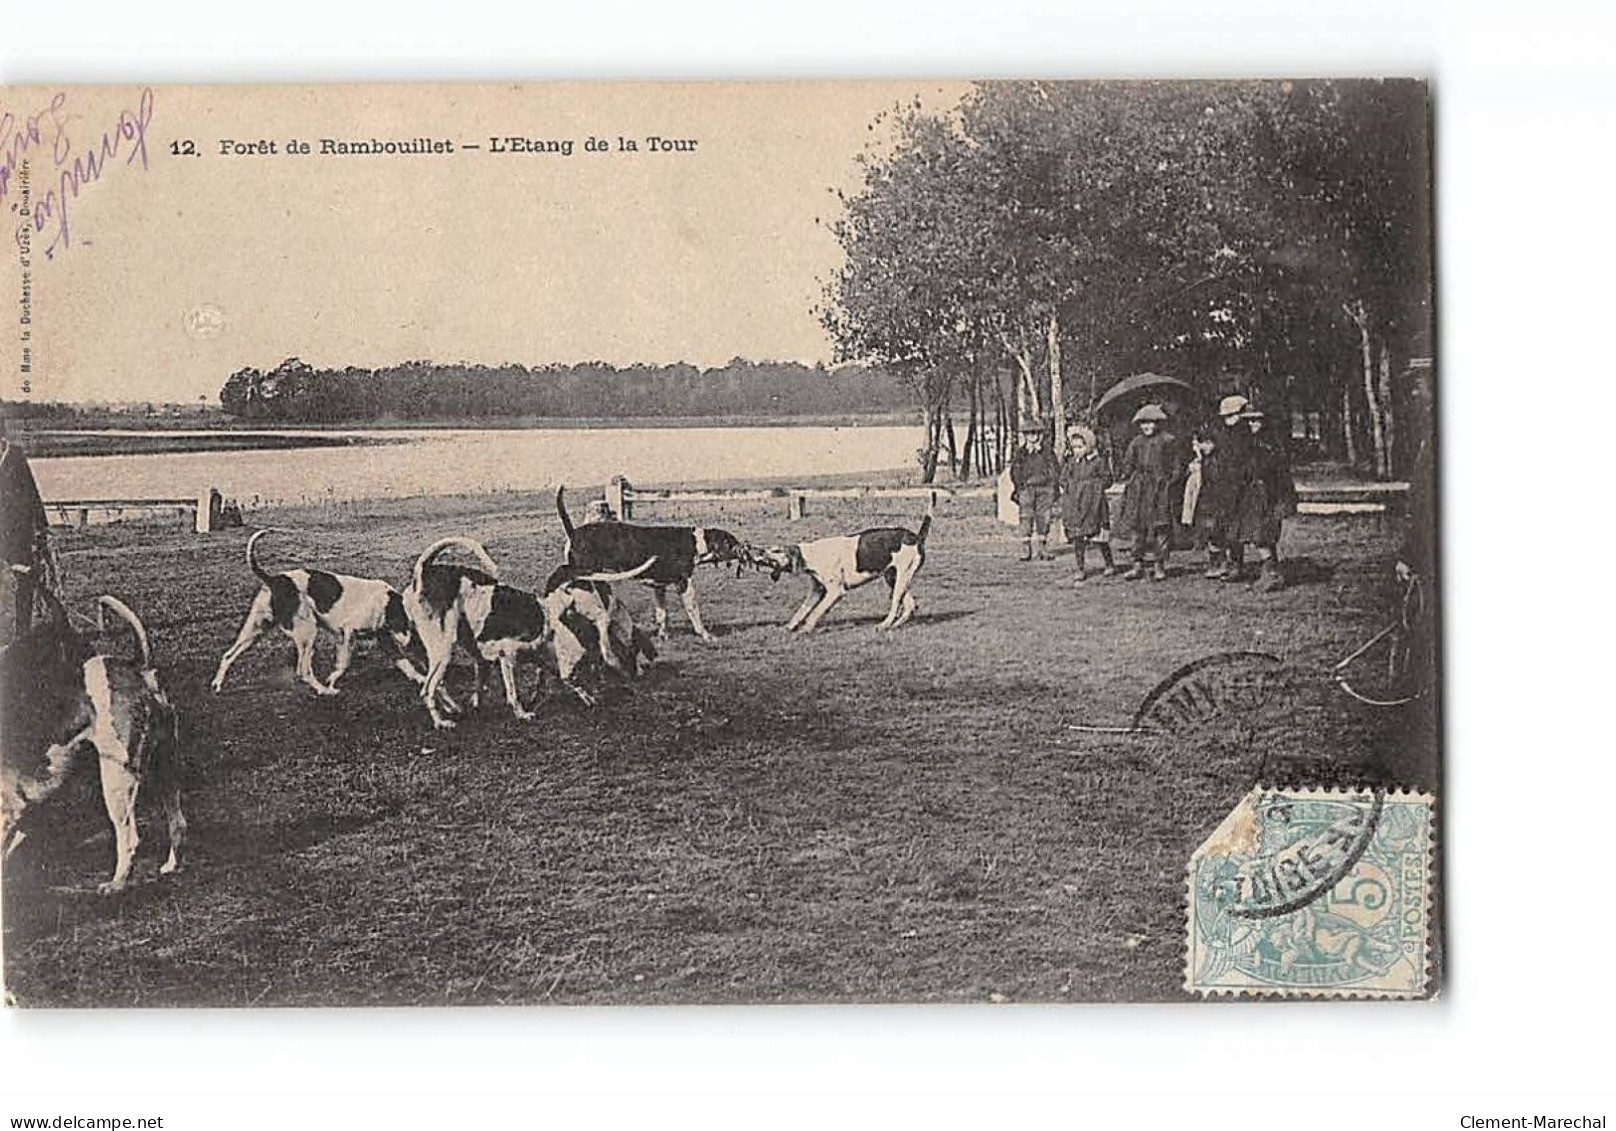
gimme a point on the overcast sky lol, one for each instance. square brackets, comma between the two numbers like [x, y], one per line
[476, 256]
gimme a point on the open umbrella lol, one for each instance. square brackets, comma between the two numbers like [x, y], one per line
[1131, 392]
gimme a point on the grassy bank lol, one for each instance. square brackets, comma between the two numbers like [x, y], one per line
[852, 816]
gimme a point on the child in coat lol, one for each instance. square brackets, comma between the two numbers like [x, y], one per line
[1033, 478]
[1085, 512]
[1150, 468]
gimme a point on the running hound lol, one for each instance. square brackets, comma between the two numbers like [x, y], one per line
[60, 695]
[300, 602]
[678, 550]
[846, 561]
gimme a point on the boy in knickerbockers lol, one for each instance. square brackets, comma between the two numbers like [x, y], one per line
[1033, 479]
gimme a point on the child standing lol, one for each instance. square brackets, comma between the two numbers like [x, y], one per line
[1271, 475]
[1033, 478]
[1084, 510]
[1149, 467]
[1223, 455]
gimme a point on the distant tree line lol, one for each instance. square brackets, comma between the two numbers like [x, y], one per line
[297, 392]
[1013, 255]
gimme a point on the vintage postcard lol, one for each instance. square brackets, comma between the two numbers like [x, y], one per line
[719, 542]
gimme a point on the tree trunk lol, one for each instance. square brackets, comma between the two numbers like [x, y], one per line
[999, 420]
[1057, 398]
[928, 456]
[948, 435]
[1387, 410]
[1377, 431]
[974, 390]
[1026, 388]
[1347, 434]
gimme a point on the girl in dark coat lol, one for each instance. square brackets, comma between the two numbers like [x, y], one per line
[1217, 490]
[1150, 468]
[1267, 496]
[1084, 510]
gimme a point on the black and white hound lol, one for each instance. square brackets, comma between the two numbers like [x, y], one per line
[300, 602]
[594, 605]
[843, 562]
[500, 623]
[614, 546]
[60, 696]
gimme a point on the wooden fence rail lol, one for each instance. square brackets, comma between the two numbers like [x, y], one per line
[203, 508]
[1312, 498]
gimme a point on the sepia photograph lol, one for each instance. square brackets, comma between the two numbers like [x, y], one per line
[629, 543]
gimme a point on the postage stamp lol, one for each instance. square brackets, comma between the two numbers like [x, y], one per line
[1313, 892]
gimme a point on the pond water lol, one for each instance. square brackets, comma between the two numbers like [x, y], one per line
[409, 462]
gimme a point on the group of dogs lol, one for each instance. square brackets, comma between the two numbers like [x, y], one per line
[63, 696]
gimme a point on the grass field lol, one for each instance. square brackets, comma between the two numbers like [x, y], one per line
[852, 816]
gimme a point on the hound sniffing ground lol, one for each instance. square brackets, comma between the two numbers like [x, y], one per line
[850, 816]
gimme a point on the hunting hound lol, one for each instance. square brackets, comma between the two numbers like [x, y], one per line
[61, 695]
[300, 602]
[623, 644]
[837, 564]
[499, 623]
[677, 550]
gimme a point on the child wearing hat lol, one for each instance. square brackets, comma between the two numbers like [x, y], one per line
[1033, 480]
[1224, 456]
[1150, 466]
[1084, 510]
[1271, 472]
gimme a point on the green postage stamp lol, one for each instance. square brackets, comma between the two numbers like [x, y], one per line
[1314, 893]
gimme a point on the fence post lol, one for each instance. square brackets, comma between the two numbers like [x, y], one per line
[1009, 513]
[617, 498]
[207, 510]
[795, 507]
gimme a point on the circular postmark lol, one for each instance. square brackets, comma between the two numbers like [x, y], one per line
[1307, 847]
[1215, 686]
[204, 322]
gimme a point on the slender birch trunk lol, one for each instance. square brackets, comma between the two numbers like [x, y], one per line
[1347, 432]
[1377, 431]
[973, 410]
[1057, 398]
[1386, 407]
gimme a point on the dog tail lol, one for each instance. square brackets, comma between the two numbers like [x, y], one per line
[469, 544]
[925, 528]
[625, 575]
[252, 559]
[561, 509]
[128, 616]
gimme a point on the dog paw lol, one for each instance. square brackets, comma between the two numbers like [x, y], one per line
[111, 887]
[525, 716]
[169, 867]
[444, 724]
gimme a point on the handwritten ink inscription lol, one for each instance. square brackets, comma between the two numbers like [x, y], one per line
[74, 167]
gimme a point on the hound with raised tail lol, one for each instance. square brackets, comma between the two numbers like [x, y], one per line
[620, 642]
[678, 550]
[498, 622]
[61, 696]
[843, 562]
[300, 602]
